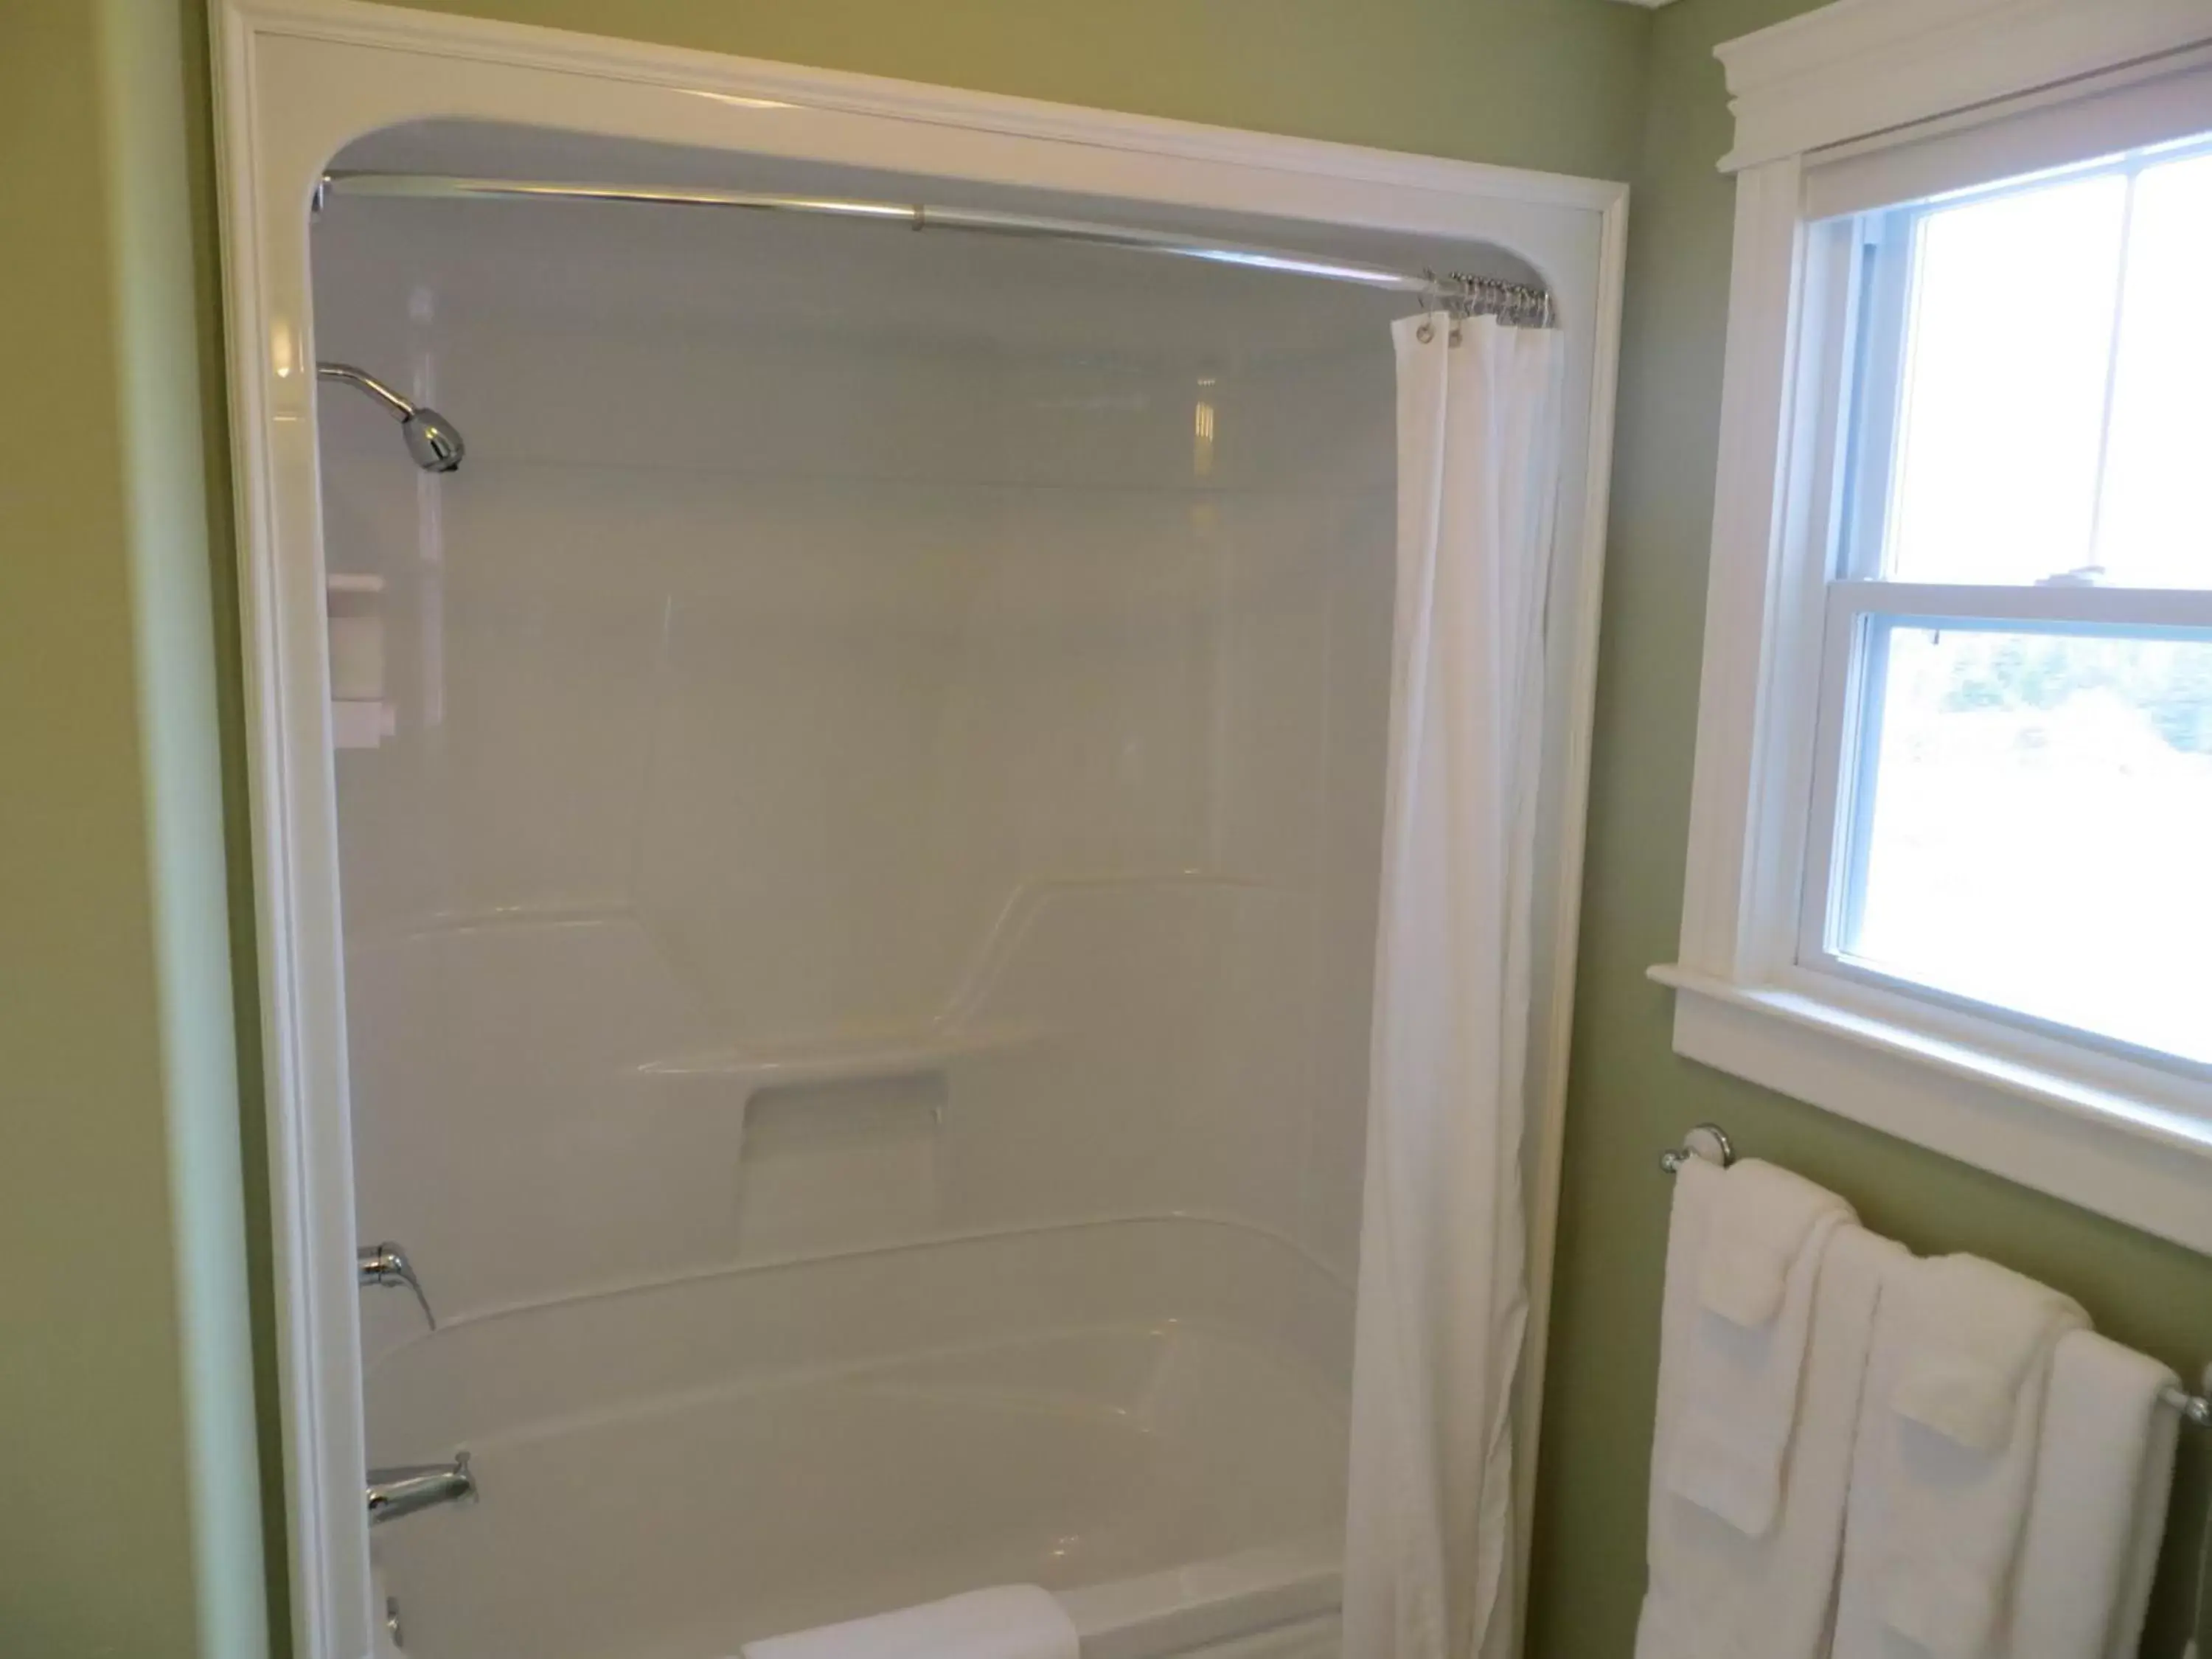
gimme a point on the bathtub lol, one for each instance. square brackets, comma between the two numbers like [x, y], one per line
[1146, 1416]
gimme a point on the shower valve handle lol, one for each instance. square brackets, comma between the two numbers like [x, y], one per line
[387, 1264]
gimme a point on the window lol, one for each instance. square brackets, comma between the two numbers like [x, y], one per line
[1950, 860]
[2014, 766]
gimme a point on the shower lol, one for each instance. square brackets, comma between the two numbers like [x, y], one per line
[432, 440]
[858, 900]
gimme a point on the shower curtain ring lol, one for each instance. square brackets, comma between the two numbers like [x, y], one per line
[1426, 331]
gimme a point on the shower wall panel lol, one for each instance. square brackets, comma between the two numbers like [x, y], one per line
[888, 741]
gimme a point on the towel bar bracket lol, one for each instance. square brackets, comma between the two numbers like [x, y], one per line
[1711, 1142]
[2196, 1409]
[1708, 1140]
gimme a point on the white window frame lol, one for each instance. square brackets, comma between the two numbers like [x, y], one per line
[1758, 994]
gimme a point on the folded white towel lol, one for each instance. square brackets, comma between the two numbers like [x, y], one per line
[1756, 1272]
[1762, 1219]
[1715, 1592]
[1012, 1621]
[1949, 1435]
[1985, 1326]
[2102, 1477]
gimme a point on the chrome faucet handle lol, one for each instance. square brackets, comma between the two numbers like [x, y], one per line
[387, 1264]
[391, 1493]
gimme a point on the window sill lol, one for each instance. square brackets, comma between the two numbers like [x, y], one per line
[2137, 1160]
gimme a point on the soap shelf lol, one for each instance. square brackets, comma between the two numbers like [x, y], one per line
[839, 1059]
[362, 723]
[360, 718]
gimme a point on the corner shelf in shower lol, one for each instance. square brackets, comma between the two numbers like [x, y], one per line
[749, 1070]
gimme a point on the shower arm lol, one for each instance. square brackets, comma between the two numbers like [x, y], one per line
[397, 406]
[433, 441]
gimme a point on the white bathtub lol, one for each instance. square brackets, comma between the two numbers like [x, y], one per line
[1144, 1416]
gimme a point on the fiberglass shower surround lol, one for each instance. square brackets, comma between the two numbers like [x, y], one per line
[859, 937]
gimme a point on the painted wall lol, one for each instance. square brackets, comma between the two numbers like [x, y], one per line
[1629, 1095]
[1537, 83]
[113, 1016]
[126, 1427]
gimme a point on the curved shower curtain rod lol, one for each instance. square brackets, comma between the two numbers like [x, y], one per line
[1517, 304]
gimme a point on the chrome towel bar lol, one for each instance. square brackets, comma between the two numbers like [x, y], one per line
[1711, 1142]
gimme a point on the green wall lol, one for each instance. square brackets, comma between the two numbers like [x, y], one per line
[130, 1526]
[131, 1519]
[1538, 83]
[1629, 1095]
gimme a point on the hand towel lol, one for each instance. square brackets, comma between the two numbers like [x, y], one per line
[1714, 1592]
[1756, 1272]
[1950, 1430]
[1986, 1326]
[1012, 1621]
[1761, 1222]
[2103, 1473]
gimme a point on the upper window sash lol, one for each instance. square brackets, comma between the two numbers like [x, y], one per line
[1870, 305]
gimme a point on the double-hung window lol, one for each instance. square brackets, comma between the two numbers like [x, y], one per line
[2013, 761]
[1951, 870]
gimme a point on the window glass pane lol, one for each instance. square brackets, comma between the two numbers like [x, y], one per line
[2008, 333]
[2035, 826]
[2155, 526]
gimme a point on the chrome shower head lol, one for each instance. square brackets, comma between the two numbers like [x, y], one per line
[432, 440]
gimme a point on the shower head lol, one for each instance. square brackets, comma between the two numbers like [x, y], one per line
[432, 440]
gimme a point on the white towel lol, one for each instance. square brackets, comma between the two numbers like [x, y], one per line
[1715, 1593]
[1761, 1254]
[1948, 1434]
[1984, 1326]
[1762, 1219]
[2102, 1477]
[1012, 1621]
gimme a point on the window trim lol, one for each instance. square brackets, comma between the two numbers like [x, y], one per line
[2084, 1118]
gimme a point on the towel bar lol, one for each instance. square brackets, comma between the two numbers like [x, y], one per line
[1711, 1142]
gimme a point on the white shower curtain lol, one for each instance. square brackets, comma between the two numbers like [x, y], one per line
[1430, 1556]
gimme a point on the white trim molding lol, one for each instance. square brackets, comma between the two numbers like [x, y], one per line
[1861, 67]
[2122, 1155]
[1853, 84]
[296, 81]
